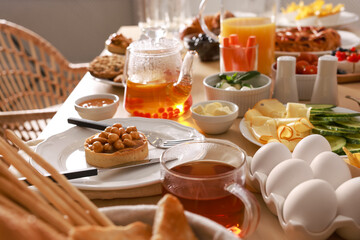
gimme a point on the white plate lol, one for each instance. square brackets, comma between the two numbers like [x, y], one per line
[65, 152]
[247, 134]
[108, 81]
[348, 40]
[344, 19]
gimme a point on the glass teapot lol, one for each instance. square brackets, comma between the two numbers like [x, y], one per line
[157, 83]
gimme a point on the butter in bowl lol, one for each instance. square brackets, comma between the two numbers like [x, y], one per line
[215, 116]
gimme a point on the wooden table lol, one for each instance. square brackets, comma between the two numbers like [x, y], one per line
[269, 227]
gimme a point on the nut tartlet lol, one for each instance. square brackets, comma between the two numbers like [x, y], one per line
[114, 146]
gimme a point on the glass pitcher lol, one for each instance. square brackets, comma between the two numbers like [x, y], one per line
[157, 83]
[247, 18]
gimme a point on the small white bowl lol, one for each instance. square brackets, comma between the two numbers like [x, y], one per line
[304, 82]
[97, 113]
[215, 124]
[243, 99]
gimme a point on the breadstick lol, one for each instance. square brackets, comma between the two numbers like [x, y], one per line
[45, 185]
[6, 202]
[6, 173]
[37, 199]
[62, 181]
[43, 211]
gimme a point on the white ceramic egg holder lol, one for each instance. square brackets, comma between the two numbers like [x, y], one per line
[271, 158]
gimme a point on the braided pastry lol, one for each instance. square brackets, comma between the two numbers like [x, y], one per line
[307, 39]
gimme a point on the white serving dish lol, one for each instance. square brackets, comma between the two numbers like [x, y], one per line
[204, 228]
[344, 226]
[244, 99]
[304, 82]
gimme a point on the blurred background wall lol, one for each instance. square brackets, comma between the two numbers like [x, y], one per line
[78, 28]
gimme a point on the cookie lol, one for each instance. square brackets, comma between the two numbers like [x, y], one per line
[108, 66]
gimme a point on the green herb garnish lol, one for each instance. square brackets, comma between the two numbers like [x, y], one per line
[236, 78]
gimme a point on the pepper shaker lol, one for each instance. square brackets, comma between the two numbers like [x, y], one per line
[325, 87]
[285, 83]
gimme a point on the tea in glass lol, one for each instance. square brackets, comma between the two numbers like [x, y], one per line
[208, 178]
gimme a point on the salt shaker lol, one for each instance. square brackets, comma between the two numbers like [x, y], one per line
[325, 87]
[285, 83]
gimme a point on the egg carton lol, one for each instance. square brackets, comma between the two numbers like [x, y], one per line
[311, 190]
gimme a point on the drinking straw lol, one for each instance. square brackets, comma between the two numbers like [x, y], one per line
[226, 54]
[251, 52]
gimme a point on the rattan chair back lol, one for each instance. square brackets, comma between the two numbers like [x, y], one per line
[34, 75]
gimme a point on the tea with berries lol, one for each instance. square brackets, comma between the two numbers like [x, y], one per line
[158, 98]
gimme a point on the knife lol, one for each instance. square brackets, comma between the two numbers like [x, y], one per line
[88, 123]
[93, 171]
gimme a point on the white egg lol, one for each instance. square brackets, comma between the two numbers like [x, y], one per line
[331, 168]
[286, 176]
[348, 196]
[312, 204]
[309, 147]
[268, 156]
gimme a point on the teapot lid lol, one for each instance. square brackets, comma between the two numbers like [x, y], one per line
[155, 44]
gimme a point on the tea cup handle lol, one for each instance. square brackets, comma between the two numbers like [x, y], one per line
[252, 208]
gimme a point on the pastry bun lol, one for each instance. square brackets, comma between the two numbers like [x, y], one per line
[117, 43]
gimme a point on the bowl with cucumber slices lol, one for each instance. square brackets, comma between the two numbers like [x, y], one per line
[244, 89]
[340, 126]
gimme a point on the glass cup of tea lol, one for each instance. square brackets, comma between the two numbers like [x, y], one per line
[247, 18]
[208, 177]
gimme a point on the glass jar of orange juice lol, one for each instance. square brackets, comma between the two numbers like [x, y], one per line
[157, 83]
[247, 18]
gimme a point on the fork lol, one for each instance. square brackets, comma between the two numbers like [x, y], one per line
[153, 138]
[159, 142]
[354, 99]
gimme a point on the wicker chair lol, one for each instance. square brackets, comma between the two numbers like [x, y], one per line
[34, 77]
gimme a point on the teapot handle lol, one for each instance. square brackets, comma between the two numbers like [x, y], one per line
[202, 21]
[252, 208]
[126, 65]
